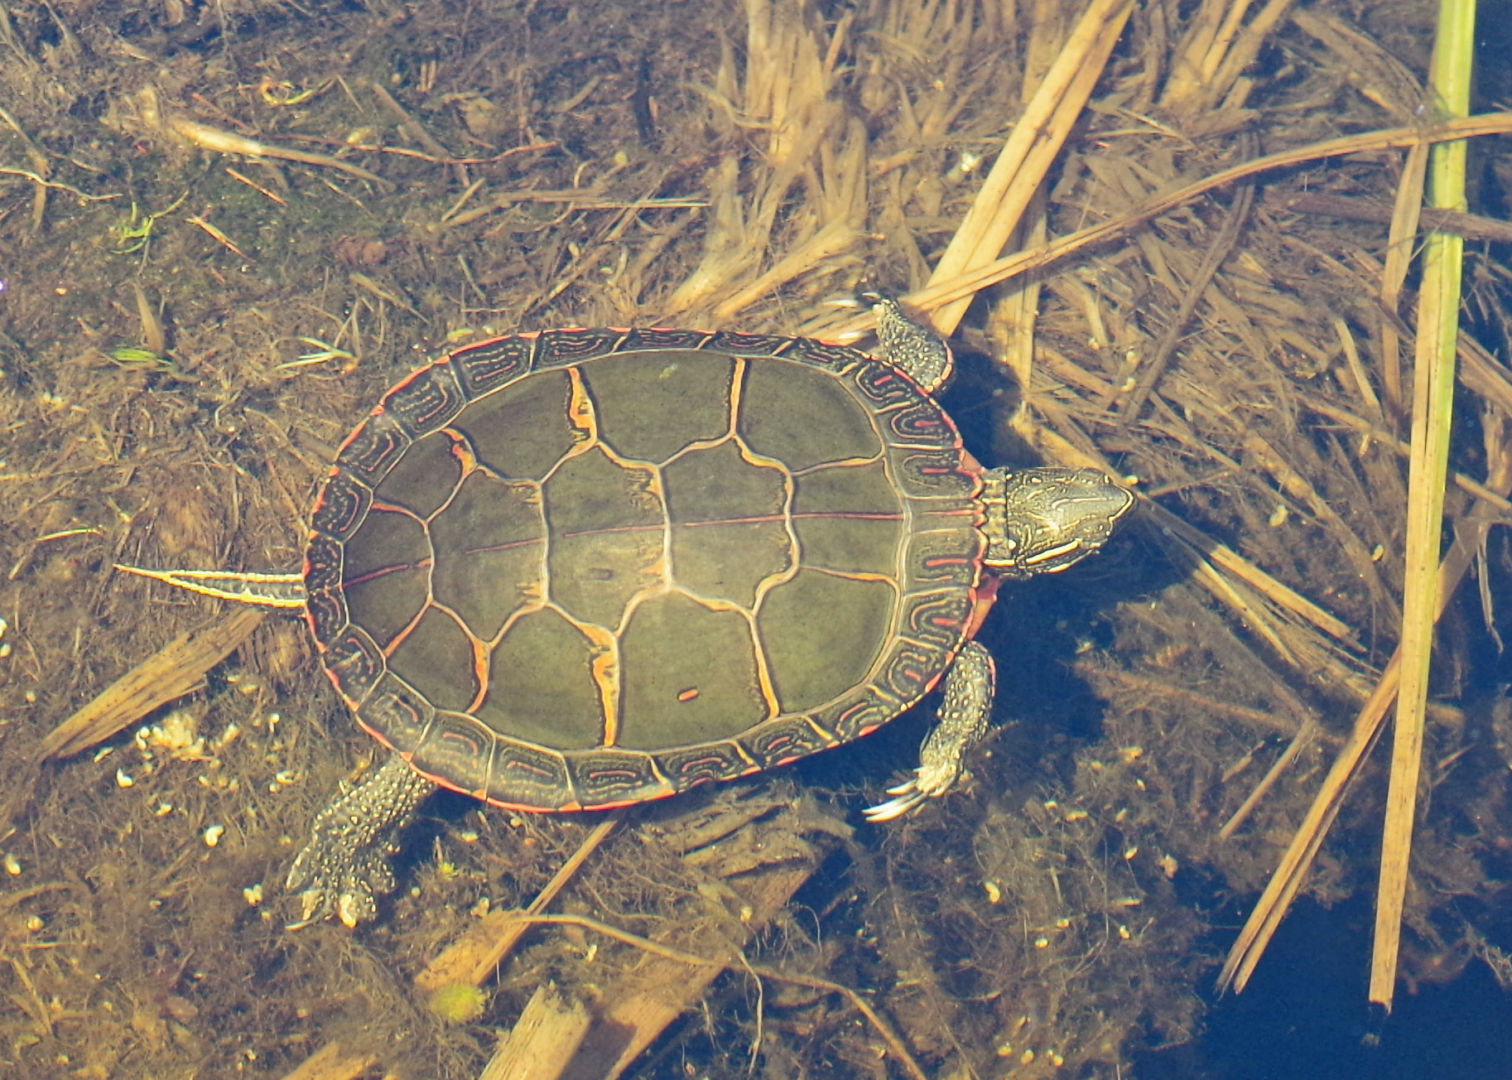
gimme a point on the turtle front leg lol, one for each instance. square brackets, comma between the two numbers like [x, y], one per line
[344, 868]
[962, 723]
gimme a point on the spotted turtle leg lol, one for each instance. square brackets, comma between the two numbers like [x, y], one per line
[962, 723]
[344, 868]
[912, 347]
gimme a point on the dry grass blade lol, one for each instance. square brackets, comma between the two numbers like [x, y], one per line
[1432, 414]
[1031, 148]
[1400, 244]
[969, 282]
[787, 93]
[1279, 892]
[1216, 50]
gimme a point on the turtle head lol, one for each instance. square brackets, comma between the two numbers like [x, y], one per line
[1041, 521]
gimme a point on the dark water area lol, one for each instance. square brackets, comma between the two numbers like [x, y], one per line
[1304, 1015]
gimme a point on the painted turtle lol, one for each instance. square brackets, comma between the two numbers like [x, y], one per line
[578, 569]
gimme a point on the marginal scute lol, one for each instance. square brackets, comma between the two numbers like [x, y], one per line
[606, 778]
[323, 563]
[933, 473]
[785, 739]
[326, 614]
[920, 423]
[559, 348]
[636, 340]
[863, 710]
[911, 668]
[427, 400]
[690, 766]
[486, 366]
[397, 713]
[342, 505]
[938, 619]
[459, 748]
[530, 778]
[373, 448]
[354, 664]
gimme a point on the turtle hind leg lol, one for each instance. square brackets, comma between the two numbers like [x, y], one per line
[962, 723]
[344, 867]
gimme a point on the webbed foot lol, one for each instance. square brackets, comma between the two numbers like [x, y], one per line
[962, 723]
[344, 867]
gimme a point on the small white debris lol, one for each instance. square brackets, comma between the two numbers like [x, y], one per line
[12, 865]
[253, 894]
[124, 778]
[213, 835]
[177, 735]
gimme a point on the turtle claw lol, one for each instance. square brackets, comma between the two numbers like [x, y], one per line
[344, 868]
[908, 797]
[961, 725]
[929, 781]
[348, 891]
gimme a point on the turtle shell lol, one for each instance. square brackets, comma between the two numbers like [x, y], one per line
[583, 568]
